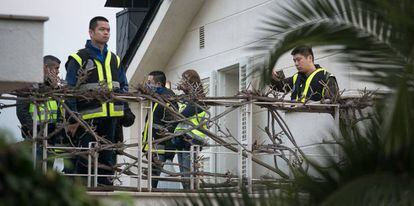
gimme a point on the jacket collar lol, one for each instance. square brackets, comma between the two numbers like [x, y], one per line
[95, 50]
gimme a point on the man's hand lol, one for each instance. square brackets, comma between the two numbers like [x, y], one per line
[72, 128]
[278, 75]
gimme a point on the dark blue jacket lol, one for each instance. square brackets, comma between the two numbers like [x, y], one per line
[163, 115]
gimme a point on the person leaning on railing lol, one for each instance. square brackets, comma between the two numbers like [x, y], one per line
[311, 82]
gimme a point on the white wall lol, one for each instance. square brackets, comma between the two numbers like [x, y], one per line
[230, 29]
[29, 32]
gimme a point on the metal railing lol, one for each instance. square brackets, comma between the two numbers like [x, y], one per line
[244, 161]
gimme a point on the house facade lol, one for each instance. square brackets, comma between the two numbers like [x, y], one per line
[215, 38]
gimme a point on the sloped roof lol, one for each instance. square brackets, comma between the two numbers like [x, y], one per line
[162, 37]
[128, 3]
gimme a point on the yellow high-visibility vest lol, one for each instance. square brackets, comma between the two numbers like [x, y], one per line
[105, 108]
[195, 119]
[307, 84]
[52, 110]
[158, 147]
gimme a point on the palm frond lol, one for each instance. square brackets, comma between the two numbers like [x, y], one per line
[370, 151]
[379, 189]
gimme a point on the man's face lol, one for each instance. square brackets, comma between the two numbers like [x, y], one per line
[303, 63]
[101, 32]
[151, 81]
[51, 72]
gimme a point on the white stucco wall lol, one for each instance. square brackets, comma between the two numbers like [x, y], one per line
[231, 27]
[20, 36]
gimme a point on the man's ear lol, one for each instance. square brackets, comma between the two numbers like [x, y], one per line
[91, 32]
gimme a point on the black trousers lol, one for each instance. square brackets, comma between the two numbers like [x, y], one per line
[104, 127]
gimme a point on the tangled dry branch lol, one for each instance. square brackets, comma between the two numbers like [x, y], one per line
[276, 129]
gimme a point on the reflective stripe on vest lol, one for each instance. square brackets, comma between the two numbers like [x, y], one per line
[77, 58]
[307, 84]
[195, 119]
[95, 86]
[145, 136]
[102, 111]
[52, 109]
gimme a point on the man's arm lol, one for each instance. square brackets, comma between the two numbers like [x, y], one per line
[123, 82]
[72, 68]
[128, 119]
[168, 116]
[332, 92]
[24, 116]
[280, 83]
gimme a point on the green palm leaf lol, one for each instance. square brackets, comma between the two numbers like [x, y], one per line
[375, 36]
[376, 166]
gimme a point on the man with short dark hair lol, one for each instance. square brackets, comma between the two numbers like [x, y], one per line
[156, 81]
[51, 66]
[47, 112]
[92, 69]
[311, 82]
[50, 59]
[24, 109]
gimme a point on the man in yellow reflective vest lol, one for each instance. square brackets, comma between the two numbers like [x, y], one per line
[161, 117]
[47, 112]
[91, 69]
[311, 82]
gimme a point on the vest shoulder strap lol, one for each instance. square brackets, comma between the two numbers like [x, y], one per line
[295, 77]
[84, 55]
[115, 60]
[81, 56]
[118, 60]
